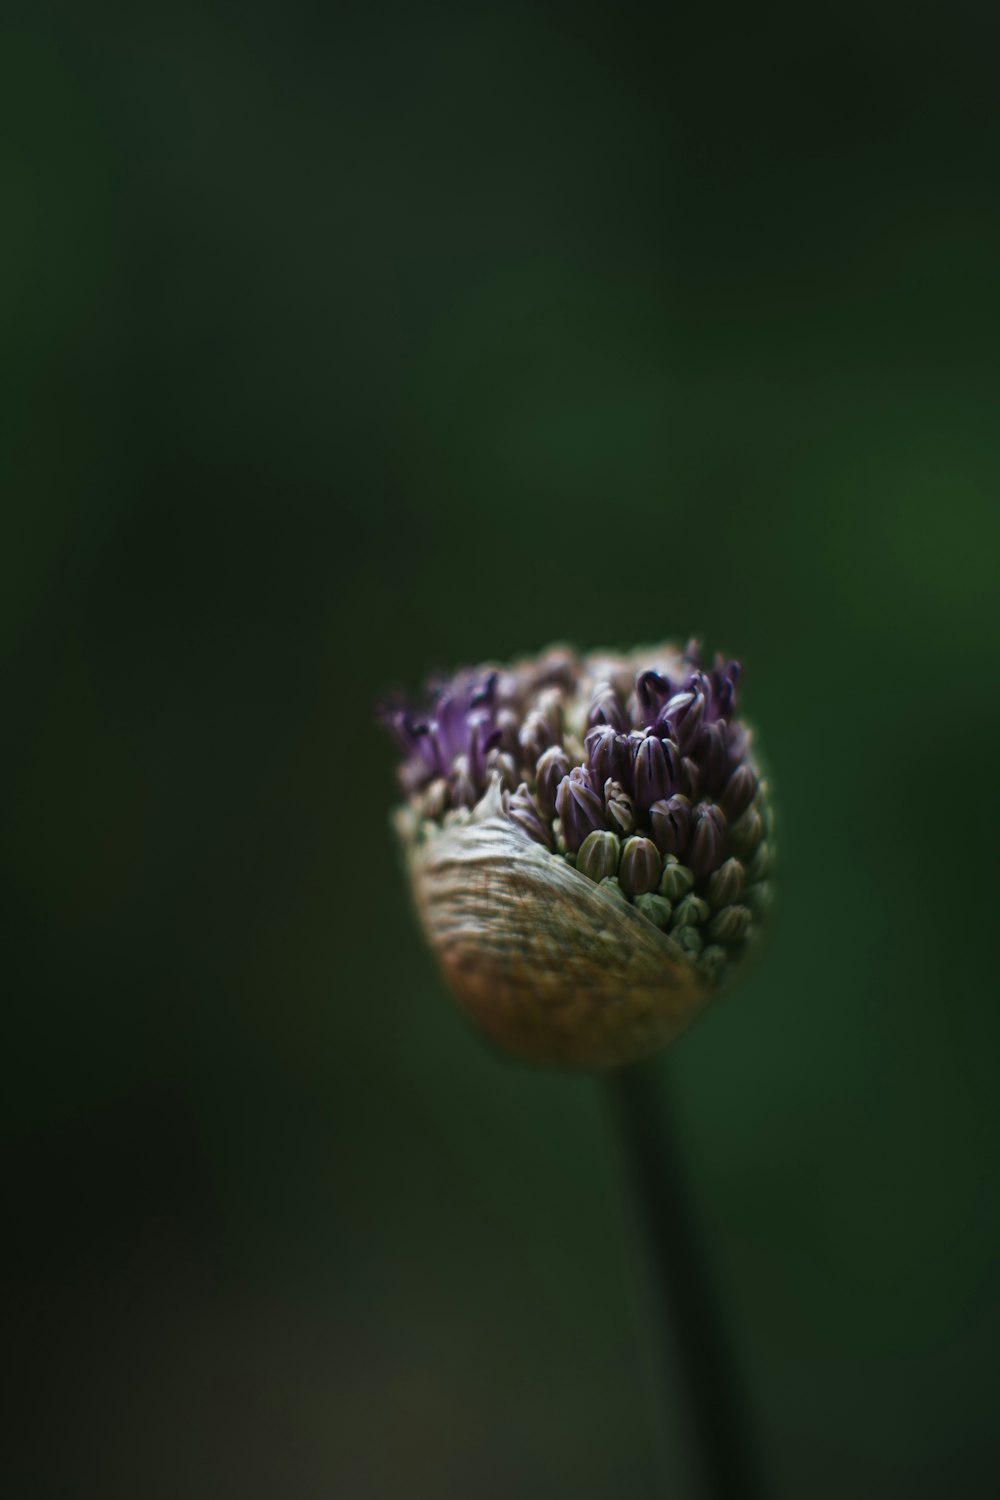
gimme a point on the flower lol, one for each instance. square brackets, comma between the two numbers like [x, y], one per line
[589, 844]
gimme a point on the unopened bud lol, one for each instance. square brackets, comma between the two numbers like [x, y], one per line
[655, 909]
[685, 712]
[508, 723]
[690, 912]
[727, 884]
[689, 939]
[550, 706]
[739, 792]
[651, 687]
[597, 856]
[713, 756]
[689, 780]
[606, 708]
[620, 808]
[677, 879]
[653, 781]
[747, 832]
[535, 737]
[559, 815]
[523, 810]
[499, 763]
[608, 753]
[552, 766]
[708, 841]
[729, 925]
[671, 824]
[640, 866]
[580, 808]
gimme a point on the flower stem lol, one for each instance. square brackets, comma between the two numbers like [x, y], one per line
[709, 1413]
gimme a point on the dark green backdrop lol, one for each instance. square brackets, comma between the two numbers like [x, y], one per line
[341, 346]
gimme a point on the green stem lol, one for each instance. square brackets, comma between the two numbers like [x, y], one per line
[709, 1415]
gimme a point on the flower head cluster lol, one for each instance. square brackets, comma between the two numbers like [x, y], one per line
[633, 769]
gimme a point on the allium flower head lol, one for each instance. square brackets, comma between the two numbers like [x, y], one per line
[588, 839]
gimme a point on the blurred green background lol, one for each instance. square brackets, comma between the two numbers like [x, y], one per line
[341, 345]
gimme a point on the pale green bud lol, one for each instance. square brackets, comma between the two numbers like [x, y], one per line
[655, 908]
[639, 870]
[597, 856]
[690, 912]
[688, 938]
[677, 879]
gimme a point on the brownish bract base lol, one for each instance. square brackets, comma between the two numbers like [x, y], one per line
[554, 968]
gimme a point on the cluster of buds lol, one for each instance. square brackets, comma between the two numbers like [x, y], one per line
[627, 783]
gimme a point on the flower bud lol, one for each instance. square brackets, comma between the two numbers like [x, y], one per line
[651, 688]
[552, 766]
[523, 810]
[653, 780]
[580, 808]
[739, 792]
[499, 763]
[608, 753]
[689, 939]
[675, 710]
[597, 857]
[547, 808]
[729, 925]
[690, 912]
[677, 879]
[684, 713]
[639, 870]
[726, 885]
[550, 706]
[675, 764]
[535, 737]
[606, 708]
[747, 832]
[655, 909]
[713, 756]
[508, 723]
[482, 737]
[620, 808]
[671, 824]
[689, 780]
[708, 840]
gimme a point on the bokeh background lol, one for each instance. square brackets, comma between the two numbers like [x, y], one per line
[344, 344]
